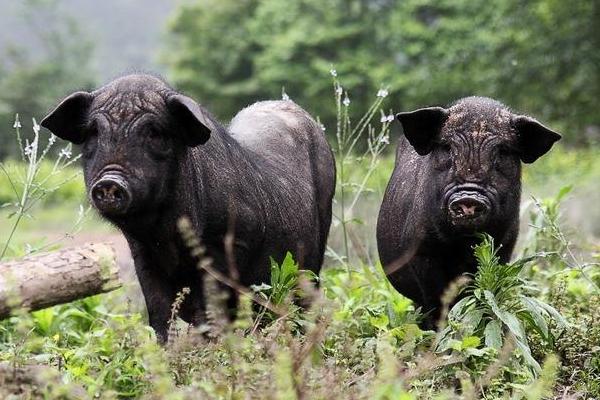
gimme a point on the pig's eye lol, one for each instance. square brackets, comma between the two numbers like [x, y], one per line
[91, 143]
[503, 154]
[158, 144]
[505, 160]
[443, 156]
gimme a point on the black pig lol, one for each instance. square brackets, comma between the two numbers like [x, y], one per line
[152, 155]
[457, 173]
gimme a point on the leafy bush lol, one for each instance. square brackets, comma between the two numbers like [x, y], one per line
[497, 306]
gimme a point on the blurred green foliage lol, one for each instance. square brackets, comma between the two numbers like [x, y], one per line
[540, 57]
[66, 186]
[32, 82]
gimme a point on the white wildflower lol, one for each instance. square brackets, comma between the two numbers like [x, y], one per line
[333, 72]
[284, 95]
[385, 139]
[17, 123]
[382, 93]
[28, 148]
[66, 152]
[386, 118]
[52, 139]
[346, 101]
[36, 126]
[322, 127]
[339, 90]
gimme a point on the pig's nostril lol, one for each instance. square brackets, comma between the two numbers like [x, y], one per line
[98, 193]
[111, 196]
[467, 208]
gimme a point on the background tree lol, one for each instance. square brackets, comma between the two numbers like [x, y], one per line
[33, 79]
[540, 57]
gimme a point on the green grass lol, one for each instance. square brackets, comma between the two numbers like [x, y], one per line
[47, 227]
[358, 340]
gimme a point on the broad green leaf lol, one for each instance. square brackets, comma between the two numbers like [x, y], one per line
[472, 351]
[493, 334]
[380, 322]
[43, 319]
[514, 325]
[508, 319]
[470, 342]
[562, 322]
[471, 321]
[455, 344]
[539, 322]
[445, 338]
[459, 308]
[565, 190]
[526, 353]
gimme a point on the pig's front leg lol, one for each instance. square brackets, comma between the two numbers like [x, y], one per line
[158, 294]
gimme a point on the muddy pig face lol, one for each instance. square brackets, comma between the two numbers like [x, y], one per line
[133, 132]
[475, 149]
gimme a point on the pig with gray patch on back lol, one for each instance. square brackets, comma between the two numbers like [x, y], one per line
[457, 173]
[152, 155]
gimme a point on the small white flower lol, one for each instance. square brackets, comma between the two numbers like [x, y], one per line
[339, 90]
[382, 93]
[385, 139]
[28, 148]
[333, 72]
[386, 118]
[65, 153]
[52, 139]
[346, 101]
[36, 127]
[17, 123]
[322, 127]
[284, 95]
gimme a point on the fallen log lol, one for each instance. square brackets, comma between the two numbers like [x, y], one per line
[36, 382]
[47, 279]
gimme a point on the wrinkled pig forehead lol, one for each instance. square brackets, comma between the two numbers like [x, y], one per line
[120, 106]
[479, 120]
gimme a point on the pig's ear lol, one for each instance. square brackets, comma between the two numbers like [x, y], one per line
[535, 139]
[68, 119]
[421, 127]
[190, 117]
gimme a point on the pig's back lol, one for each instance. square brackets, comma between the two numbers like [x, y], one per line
[280, 131]
[297, 153]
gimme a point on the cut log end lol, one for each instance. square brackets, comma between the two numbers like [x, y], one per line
[47, 279]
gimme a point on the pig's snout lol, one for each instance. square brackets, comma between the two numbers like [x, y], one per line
[468, 208]
[111, 194]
